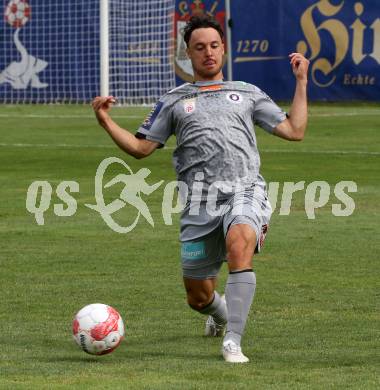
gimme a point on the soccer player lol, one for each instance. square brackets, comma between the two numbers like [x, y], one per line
[227, 212]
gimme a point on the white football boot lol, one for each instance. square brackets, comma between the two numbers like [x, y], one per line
[232, 353]
[213, 329]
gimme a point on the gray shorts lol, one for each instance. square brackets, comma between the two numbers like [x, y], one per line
[203, 235]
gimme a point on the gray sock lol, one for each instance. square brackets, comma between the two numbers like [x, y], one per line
[217, 309]
[240, 290]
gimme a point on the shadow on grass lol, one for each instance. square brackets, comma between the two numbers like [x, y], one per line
[185, 348]
[134, 355]
[75, 359]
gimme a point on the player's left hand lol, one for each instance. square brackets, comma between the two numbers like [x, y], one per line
[300, 66]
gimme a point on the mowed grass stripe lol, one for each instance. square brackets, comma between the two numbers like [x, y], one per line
[116, 116]
[171, 148]
[314, 320]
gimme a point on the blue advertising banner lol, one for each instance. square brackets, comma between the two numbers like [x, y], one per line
[49, 51]
[341, 38]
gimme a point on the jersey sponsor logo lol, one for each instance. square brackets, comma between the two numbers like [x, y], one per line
[212, 95]
[190, 96]
[213, 87]
[189, 106]
[152, 116]
[234, 97]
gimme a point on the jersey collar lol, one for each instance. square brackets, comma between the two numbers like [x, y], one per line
[207, 83]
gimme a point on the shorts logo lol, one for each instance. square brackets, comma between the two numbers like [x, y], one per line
[264, 230]
[234, 97]
[189, 106]
[193, 250]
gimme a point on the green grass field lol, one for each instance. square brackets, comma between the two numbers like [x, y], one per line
[315, 319]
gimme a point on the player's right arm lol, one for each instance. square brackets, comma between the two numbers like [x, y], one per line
[136, 147]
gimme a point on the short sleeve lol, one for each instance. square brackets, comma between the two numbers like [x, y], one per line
[267, 114]
[158, 124]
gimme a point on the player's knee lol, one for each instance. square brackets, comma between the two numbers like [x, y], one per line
[198, 301]
[241, 244]
[242, 248]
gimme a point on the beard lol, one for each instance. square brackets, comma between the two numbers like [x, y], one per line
[205, 73]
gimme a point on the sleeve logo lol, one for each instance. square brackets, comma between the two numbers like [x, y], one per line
[147, 124]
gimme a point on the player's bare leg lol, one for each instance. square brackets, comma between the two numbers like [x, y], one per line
[202, 297]
[240, 288]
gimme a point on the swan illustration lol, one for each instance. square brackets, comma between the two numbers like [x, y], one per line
[23, 73]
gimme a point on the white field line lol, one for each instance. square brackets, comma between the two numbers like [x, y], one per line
[358, 113]
[54, 146]
[304, 151]
[47, 116]
[301, 151]
[352, 152]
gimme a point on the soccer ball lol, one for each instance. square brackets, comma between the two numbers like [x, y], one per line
[98, 329]
[17, 13]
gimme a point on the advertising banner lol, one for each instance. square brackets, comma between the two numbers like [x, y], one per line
[341, 38]
[49, 51]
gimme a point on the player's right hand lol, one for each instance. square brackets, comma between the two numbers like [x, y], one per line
[101, 105]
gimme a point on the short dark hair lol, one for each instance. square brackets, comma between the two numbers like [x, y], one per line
[196, 22]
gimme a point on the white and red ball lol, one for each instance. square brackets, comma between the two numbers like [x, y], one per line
[98, 329]
[17, 13]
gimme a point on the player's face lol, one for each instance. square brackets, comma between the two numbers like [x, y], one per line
[206, 51]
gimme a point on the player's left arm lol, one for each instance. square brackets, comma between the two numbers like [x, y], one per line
[293, 128]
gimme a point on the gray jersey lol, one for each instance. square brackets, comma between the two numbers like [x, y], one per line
[214, 126]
